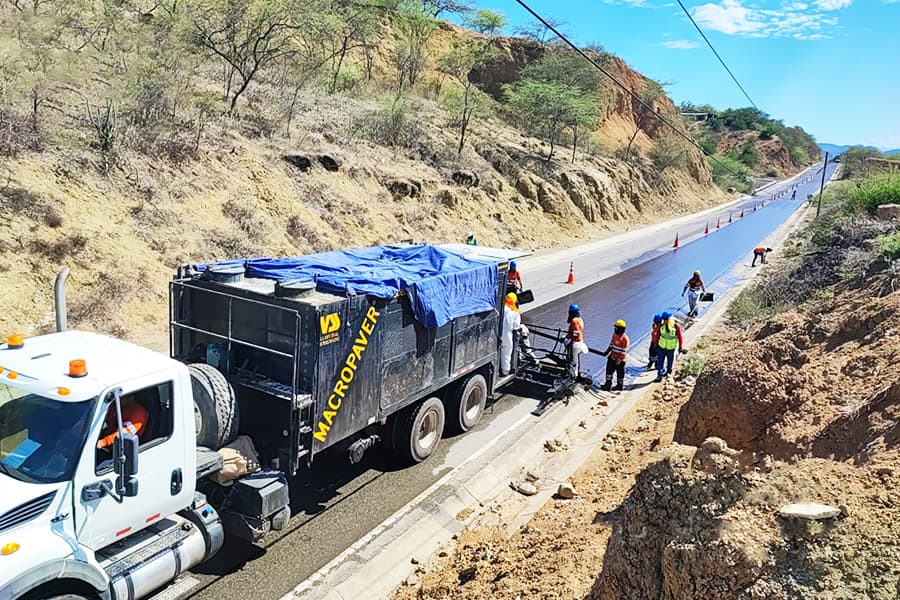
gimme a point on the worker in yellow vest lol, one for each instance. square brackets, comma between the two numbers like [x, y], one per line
[670, 339]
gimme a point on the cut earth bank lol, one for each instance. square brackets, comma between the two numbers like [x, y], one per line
[681, 499]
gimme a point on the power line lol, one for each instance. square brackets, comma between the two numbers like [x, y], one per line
[708, 43]
[625, 88]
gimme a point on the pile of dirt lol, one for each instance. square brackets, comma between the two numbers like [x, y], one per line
[822, 383]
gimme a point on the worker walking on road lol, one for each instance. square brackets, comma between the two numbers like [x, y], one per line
[693, 288]
[616, 353]
[670, 339]
[654, 341]
[512, 322]
[513, 278]
[760, 253]
[575, 339]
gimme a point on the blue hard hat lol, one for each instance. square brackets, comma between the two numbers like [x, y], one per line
[657, 318]
[666, 315]
[512, 264]
[574, 307]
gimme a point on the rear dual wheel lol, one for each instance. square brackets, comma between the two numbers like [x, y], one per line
[418, 430]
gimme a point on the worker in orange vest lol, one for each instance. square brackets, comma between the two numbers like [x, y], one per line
[575, 339]
[616, 353]
[134, 420]
[760, 253]
[513, 278]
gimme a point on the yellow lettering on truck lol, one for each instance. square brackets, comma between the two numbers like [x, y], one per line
[346, 374]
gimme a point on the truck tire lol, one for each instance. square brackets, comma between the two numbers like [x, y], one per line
[215, 407]
[466, 403]
[418, 429]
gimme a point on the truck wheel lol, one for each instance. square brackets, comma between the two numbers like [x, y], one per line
[215, 407]
[418, 430]
[467, 402]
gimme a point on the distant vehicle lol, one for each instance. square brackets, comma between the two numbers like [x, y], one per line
[836, 159]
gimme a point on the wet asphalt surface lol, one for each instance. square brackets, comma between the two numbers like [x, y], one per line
[336, 503]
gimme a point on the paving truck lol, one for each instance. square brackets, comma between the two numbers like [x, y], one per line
[109, 452]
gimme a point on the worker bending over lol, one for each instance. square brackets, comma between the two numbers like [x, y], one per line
[670, 339]
[760, 253]
[575, 339]
[513, 278]
[654, 341]
[616, 353]
[693, 288]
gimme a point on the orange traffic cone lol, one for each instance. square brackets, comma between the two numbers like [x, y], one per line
[675, 245]
[571, 278]
[742, 213]
[729, 217]
[718, 223]
[754, 208]
[706, 231]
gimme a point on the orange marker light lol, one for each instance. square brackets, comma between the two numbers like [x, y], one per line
[15, 340]
[77, 368]
[12, 375]
[9, 549]
[63, 391]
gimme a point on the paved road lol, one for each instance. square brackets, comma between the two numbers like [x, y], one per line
[337, 503]
[546, 275]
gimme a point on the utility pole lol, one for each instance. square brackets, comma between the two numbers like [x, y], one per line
[822, 187]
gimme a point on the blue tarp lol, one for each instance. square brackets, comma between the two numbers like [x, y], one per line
[441, 285]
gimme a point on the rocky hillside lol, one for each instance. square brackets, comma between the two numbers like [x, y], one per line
[144, 140]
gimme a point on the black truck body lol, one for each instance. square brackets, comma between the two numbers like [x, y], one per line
[312, 370]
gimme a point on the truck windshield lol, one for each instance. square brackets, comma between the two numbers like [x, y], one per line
[41, 439]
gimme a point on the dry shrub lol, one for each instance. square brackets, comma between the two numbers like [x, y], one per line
[228, 245]
[250, 220]
[17, 134]
[303, 233]
[68, 247]
[21, 201]
[97, 306]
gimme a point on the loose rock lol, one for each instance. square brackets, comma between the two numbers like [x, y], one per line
[523, 487]
[566, 491]
[811, 511]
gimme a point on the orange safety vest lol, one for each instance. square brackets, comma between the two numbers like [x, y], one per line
[759, 250]
[134, 420]
[513, 277]
[576, 330]
[618, 347]
[695, 283]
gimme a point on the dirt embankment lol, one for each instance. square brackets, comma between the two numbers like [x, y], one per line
[349, 173]
[773, 159]
[682, 500]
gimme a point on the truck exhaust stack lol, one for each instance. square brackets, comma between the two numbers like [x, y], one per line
[59, 295]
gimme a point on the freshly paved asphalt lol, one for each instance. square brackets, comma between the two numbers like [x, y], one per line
[337, 503]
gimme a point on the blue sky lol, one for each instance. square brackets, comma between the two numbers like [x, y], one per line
[830, 66]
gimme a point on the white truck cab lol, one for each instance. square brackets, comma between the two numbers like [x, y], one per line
[89, 498]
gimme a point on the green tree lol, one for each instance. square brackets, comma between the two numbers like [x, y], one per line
[245, 35]
[415, 27]
[465, 55]
[650, 93]
[549, 107]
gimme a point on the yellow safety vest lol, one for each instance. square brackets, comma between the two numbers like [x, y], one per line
[668, 339]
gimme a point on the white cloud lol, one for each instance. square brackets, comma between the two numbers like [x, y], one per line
[833, 4]
[798, 20]
[728, 17]
[680, 44]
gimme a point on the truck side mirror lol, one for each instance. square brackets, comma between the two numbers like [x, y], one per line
[125, 464]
